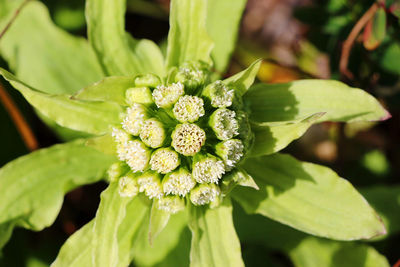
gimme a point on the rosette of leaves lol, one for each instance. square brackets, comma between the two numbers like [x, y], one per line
[174, 140]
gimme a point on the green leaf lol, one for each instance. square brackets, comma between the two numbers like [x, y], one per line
[110, 89]
[188, 38]
[171, 245]
[272, 138]
[158, 221]
[43, 55]
[214, 240]
[316, 252]
[244, 79]
[303, 98]
[223, 19]
[32, 187]
[109, 216]
[117, 51]
[237, 176]
[89, 116]
[386, 201]
[104, 144]
[5, 234]
[77, 250]
[390, 60]
[308, 197]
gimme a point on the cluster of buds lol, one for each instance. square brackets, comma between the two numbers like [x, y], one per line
[179, 138]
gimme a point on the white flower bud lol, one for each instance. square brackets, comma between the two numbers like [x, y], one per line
[179, 182]
[224, 123]
[152, 133]
[164, 160]
[135, 117]
[207, 169]
[231, 151]
[137, 155]
[187, 139]
[150, 183]
[171, 204]
[128, 186]
[166, 96]
[219, 94]
[204, 194]
[189, 108]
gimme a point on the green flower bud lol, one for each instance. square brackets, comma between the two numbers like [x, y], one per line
[231, 152]
[224, 124]
[189, 108]
[166, 96]
[171, 204]
[137, 155]
[219, 94]
[207, 168]
[116, 170]
[150, 183]
[135, 117]
[140, 95]
[128, 186]
[204, 194]
[179, 182]
[147, 80]
[187, 139]
[192, 75]
[164, 160]
[152, 133]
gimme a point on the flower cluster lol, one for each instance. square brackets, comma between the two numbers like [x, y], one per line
[180, 137]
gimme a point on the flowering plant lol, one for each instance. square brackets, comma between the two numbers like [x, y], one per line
[174, 140]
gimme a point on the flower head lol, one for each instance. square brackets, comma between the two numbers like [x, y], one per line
[189, 108]
[171, 204]
[137, 155]
[187, 139]
[164, 160]
[152, 133]
[128, 186]
[136, 114]
[231, 151]
[166, 96]
[150, 183]
[204, 194]
[224, 123]
[219, 94]
[179, 182]
[207, 169]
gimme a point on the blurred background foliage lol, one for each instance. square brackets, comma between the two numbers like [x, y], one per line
[297, 39]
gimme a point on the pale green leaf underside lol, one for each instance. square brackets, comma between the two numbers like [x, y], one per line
[77, 250]
[170, 246]
[43, 55]
[187, 38]
[158, 220]
[88, 116]
[223, 19]
[317, 252]
[109, 216]
[272, 138]
[299, 99]
[214, 240]
[110, 89]
[117, 51]
[244, 79]
[32, 187]
[308, 197]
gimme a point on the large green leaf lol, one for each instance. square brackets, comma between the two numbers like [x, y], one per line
[171, 245]
[317, 252]
[77, 250]
[272, 138]
[303, 249]
[187, 37]
[118, 52]
[223, 19]
[244, 79]
[308, 197]
[303, 98]
[109, 216]
[214, 240]
[89, 116]
[32, 187]
[110, 89]
[43, 55]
